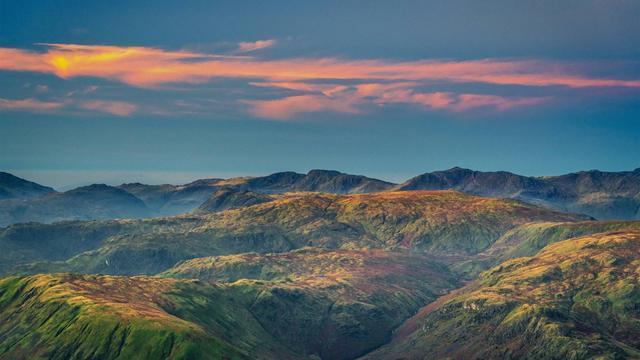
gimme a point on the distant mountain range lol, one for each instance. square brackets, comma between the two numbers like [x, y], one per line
[13, 187]
[602, 195]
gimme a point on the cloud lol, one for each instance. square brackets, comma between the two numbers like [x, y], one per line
[145, 67]
[288, 107]
[244, 47]
[118, 108]
[311, 84]
[351, 100]
[31, 105]
[472, 101]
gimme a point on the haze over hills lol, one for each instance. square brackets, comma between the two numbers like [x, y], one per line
[13, 187]
[97, 201]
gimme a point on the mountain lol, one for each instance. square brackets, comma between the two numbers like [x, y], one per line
[603, 195]
[577, 298]
[177, 199]
[448, 223]
[68, 316]
[331, 304]
[316, 180]
[225, 199]
[312, 275]
[170, 200]
[13, 187]
[335, 304]
[528, 239]
[90, 202]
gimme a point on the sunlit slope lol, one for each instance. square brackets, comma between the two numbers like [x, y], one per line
[576, 299]
[337, 304]
[103, 317]
[437, 222]
[528, 239]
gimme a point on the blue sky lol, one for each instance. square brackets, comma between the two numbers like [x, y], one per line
[164, 91]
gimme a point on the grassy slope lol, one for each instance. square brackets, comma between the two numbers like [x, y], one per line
[528, 239]
[336, 304]
[103, 317]
[426, 221]
[576, 299]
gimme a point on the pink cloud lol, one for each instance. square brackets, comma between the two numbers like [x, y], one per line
[118, 108]
[288, 107]
[255, 45]
[29, 105]
[351, 100]
[141, 66]
[318, 84]
[471, 101]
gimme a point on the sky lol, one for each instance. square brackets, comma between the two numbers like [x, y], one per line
[171, 91]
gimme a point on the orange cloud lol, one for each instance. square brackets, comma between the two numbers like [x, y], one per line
[29, 105]
[140, 66]
[118, 108]
[255, 45]
[324, 84]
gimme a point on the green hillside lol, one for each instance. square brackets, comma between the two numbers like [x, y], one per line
[337, 304]
[576, 299]
[103, 317]
[311, 302]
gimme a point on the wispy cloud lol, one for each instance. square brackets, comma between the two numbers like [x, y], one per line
[140, 66]
[118, 108]
[244, 47]
[32, 105]
[353, 99]
[316, 84]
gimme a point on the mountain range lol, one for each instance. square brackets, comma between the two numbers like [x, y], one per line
[324, 266]
[602, 195]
